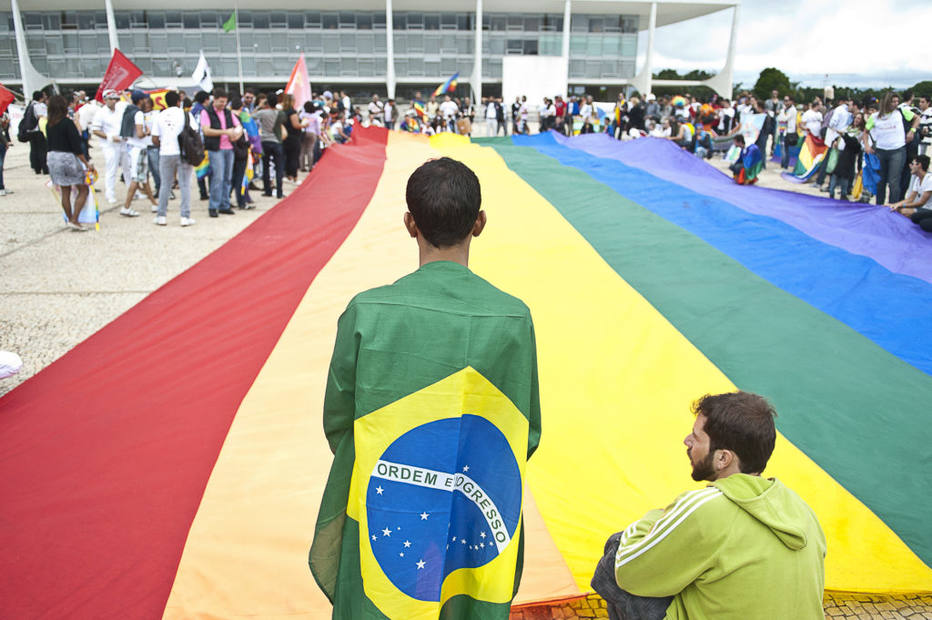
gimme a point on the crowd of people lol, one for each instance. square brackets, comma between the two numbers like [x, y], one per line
[264, 135]
[890, 135]
[140, 140]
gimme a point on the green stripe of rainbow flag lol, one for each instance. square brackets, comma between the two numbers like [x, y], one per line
[172, 486]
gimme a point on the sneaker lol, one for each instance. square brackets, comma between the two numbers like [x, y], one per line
[5, 192]
[160, 220]
[129, 212]
[187, 221]
[171, 196]
[155, 208]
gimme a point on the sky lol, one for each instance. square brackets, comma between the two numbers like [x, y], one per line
[856, 43]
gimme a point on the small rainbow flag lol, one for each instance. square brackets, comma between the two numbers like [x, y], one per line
[202, 168]
[419, 108]
[447, 86]
[248, 175]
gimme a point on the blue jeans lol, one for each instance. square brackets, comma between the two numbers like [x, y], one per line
[843, 185]
[153, 154]
[785, 159]
[891, 170]
[221, 178]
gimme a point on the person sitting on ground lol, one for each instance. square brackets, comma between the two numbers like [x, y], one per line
[742, 547]
[747, 165]
[681, 133]
[917, 205]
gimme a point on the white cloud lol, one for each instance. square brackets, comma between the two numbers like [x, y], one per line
[855, 42]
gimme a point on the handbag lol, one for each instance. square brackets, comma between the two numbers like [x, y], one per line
[241, 148]
[792, 138]
[832, 160]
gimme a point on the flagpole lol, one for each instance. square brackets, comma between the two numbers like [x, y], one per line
[239, 55]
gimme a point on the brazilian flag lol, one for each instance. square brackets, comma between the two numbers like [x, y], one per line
[431, 411]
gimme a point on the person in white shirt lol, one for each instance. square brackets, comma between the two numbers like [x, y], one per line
[925, 125]
[376, 110]
[106, 126]
[390, 114]
[137, 147]
[842, 116]
[917, 205]
[165, 134]
[449, 110]
[726, 119]
[812, 120]
[585, 108]
[491, 118]
[790, 135]
[887, 130]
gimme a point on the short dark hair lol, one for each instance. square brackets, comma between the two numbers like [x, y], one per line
[271, 99]
[444, 197]
[236, 102]
[219, 92]
[308, 106]
[201, 96]
[172, 98]
[741, 422]
[923, 161]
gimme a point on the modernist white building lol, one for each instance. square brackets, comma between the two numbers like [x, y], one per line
[385, 44]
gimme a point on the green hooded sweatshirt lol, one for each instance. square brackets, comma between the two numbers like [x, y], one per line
[743, 548]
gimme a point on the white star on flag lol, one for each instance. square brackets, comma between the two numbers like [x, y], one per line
[386, 532]
[407, 544]
[482, 534]
[465, 469]
[424, 516]
[379, 490]
[463, 540]
[402, 554]
[482, 545]
[421, 564]
[373, 537]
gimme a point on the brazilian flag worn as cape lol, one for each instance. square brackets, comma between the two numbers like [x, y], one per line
[431, 411]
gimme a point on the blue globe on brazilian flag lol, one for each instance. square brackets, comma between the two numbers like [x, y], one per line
[437, 494]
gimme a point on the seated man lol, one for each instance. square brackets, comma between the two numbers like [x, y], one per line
[431, 411]
[917, 205]
[744, 547]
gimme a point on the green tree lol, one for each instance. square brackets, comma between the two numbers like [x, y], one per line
[922, 88]
[771, 79]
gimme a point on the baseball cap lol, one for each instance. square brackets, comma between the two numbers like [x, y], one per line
[111, 94]
[138, 95]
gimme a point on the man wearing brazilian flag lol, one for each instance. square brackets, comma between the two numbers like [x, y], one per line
[431, 411]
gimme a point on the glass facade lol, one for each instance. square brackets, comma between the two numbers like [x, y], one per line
[337, 44]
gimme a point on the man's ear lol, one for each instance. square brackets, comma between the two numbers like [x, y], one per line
[723, 459]
[411, 225]
[479, 225]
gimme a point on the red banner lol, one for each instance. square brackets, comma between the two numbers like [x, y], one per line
[6, 98]
[121, 73]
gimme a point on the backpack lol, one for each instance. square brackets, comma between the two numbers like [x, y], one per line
[27, 124]
[190, 143]
[128, 122]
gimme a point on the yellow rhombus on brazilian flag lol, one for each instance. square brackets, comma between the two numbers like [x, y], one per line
[431, 411]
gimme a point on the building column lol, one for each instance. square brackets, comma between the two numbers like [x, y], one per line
[30, 77]
[389, 50]
[476, 80]
[567, 14]
[727, 71]
[648, 71]
[111, 28]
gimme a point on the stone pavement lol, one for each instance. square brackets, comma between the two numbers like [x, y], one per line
[57, 287]
[836, 605]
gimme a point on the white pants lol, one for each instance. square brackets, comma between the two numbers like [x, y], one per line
[491, 126]
[113, 156]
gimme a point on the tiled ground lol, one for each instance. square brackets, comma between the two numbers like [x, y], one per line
[836, 604]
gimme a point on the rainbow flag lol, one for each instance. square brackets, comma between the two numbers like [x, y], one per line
[448, 86]
[250, 173]
[419, 108]
[203, 168]
[810, 156]
[174, 487]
